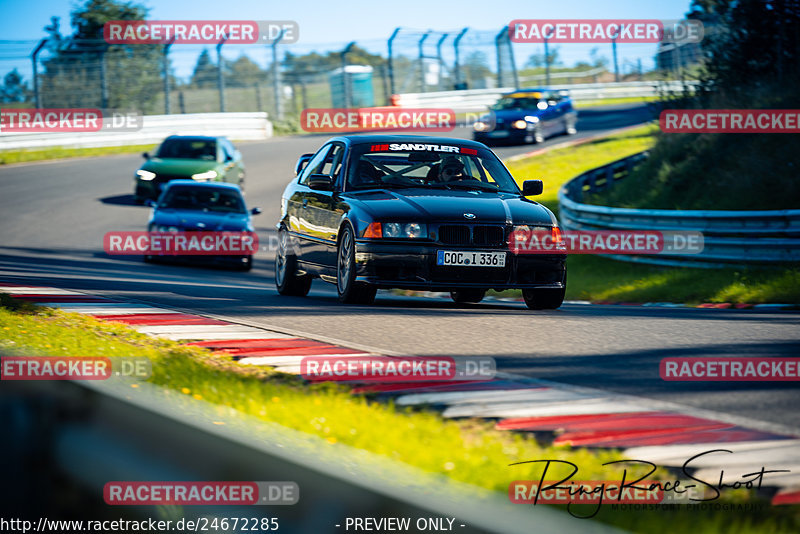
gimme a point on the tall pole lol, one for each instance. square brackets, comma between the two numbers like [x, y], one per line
[511, 57]
[391, 59]
[457, 65]
[441, 61]
[34, 57]
[348, 98]
[422, 61]
[276, 76]
[103, 81]
[220, 75]
[614, 51]
[165, 51]
[546, 63]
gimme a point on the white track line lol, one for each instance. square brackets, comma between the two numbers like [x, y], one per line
[599, 405]
[493, 396]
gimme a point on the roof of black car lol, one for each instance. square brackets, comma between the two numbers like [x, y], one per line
[384, 138]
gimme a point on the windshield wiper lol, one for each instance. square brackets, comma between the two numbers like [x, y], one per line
[474, 185]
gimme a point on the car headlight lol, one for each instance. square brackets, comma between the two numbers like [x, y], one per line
[145, 175]
[532, 118]
[162, 228]
[205, 176]
[480, 126]
[396, 230]
[405, 230]
[520, 124]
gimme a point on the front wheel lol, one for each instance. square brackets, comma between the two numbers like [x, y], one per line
[350, 291]
[468, 296]
[287, 281]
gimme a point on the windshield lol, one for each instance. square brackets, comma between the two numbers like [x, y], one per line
[508, 102]
[398, 166]
[203, 199]
[202, 149]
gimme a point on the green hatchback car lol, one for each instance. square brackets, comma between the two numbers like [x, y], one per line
[188, 157]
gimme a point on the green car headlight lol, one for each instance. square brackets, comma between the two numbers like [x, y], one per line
[145, 175]
[205, 176]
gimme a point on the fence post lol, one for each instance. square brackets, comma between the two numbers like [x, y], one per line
[441, 61]
[220, 75]
[457, 66]
[348, 98]
[103, 81]
[546, 62]
[391, 60]
[34, 57]
[422, 61]
[276, 76]
[167, 108]
[614, 51]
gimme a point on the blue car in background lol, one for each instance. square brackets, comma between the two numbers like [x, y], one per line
[190, 206]
[527, 116]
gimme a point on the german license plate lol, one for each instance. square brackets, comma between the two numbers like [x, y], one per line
[498, 133]
[470, 259]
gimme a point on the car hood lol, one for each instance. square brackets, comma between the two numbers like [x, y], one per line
[179, 167]
[509, 115]
[426, 205]
[202, 220]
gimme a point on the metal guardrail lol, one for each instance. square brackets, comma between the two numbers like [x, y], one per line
[477, 100]
[239, 126]
[89, 433]
[730, 237]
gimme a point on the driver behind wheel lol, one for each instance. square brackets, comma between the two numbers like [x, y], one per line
[452, 169]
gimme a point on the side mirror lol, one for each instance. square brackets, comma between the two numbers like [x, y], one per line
[531, 188]
[301, 163]
[146, 155]
[321, 182]
[150, 203]
[255, 211]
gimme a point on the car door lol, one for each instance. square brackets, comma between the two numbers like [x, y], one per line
[300, 218]
[322, 216]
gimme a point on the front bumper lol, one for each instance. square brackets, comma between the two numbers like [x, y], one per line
[413, 266]
[510, 135]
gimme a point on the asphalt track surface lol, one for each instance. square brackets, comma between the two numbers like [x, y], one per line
[53, 216]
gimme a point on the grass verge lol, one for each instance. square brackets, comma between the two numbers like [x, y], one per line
[470, 451]
[22, 156]
[596, 278]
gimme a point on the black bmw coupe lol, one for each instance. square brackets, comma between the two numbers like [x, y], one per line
[413, 212]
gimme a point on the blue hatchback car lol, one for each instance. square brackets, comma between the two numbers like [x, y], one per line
[527, 116]
[187, 205]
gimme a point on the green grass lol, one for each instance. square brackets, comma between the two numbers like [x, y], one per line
[596, 278]
[469, 451]
[21, 156]
[613, 101]
[558, 166]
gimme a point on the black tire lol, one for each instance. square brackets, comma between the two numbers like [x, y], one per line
[287, 281]
[468, 296]
[569, 126]
[350, 291]
[538, 135]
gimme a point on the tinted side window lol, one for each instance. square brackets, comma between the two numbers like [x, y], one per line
[314, 166]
